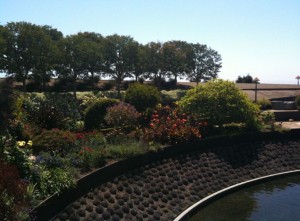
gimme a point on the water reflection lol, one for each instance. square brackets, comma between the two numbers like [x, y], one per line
[273, 200]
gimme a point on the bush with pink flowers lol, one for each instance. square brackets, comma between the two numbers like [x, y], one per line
[122, 115]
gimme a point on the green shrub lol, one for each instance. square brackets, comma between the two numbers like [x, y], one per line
[122, 116]
[220, 102]
[142, 96]
[7, 102]
[54, 140]
[264, 104]
[54, 180]
[52, 111]
[94, 116]
[18, 154]
[267, 120]
[11, 115]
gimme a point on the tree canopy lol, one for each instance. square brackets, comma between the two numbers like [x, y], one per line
[246, 79]
[29, 51]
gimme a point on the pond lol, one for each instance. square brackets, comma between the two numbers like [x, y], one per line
[277, 200]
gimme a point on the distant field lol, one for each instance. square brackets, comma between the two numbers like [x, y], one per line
[267, 91]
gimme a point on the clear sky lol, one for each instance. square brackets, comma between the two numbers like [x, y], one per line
[259, 37]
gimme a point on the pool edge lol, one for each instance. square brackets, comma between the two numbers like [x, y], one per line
[187, 213]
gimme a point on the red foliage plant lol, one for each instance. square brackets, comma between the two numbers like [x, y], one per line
[169, 126]
[12, 192]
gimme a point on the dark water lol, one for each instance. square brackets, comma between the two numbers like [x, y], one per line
[276, 200]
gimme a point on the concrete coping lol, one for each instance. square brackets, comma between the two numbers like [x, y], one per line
[201, 203]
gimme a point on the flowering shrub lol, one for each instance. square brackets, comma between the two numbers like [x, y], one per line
[18, 153]
[12, 193]
[92, 139]
[122, 115]
[168, 125]
[54, 140]
[91, 150]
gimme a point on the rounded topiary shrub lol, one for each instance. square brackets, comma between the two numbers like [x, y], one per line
[54, 140]
[94, 116]
[220, 102]
[142, 96]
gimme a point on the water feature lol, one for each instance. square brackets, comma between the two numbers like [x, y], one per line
[276, 200]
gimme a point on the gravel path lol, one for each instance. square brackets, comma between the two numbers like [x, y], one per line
[163, 189]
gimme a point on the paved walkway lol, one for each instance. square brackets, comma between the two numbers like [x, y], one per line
[290, 124]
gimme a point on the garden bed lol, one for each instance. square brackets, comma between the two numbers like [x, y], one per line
[260, 158]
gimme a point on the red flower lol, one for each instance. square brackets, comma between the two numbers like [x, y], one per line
[88, 149]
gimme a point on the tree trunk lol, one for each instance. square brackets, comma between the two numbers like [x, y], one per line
[119, 81]
[44, 85]
[75, 86]
[24, 85]
[74, 90]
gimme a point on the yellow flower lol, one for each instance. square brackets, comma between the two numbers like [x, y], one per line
[29, 143]
[21, 143]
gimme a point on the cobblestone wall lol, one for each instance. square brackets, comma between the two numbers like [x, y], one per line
[163, 189]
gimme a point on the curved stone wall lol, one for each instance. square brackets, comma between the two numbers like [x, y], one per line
[163, 189]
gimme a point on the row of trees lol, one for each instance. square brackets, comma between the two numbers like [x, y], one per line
[247, 79]
[29, 51]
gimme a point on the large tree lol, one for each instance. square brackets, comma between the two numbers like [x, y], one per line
[153, 62]
[245, 79]
[140, 62]
[121, 54]
[206, 63]
[25, 46]
[176, 59]
[49, 55]
[71, 65]
[4, 32]
[92, 47]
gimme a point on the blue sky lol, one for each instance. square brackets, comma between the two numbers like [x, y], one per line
[259, 37]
